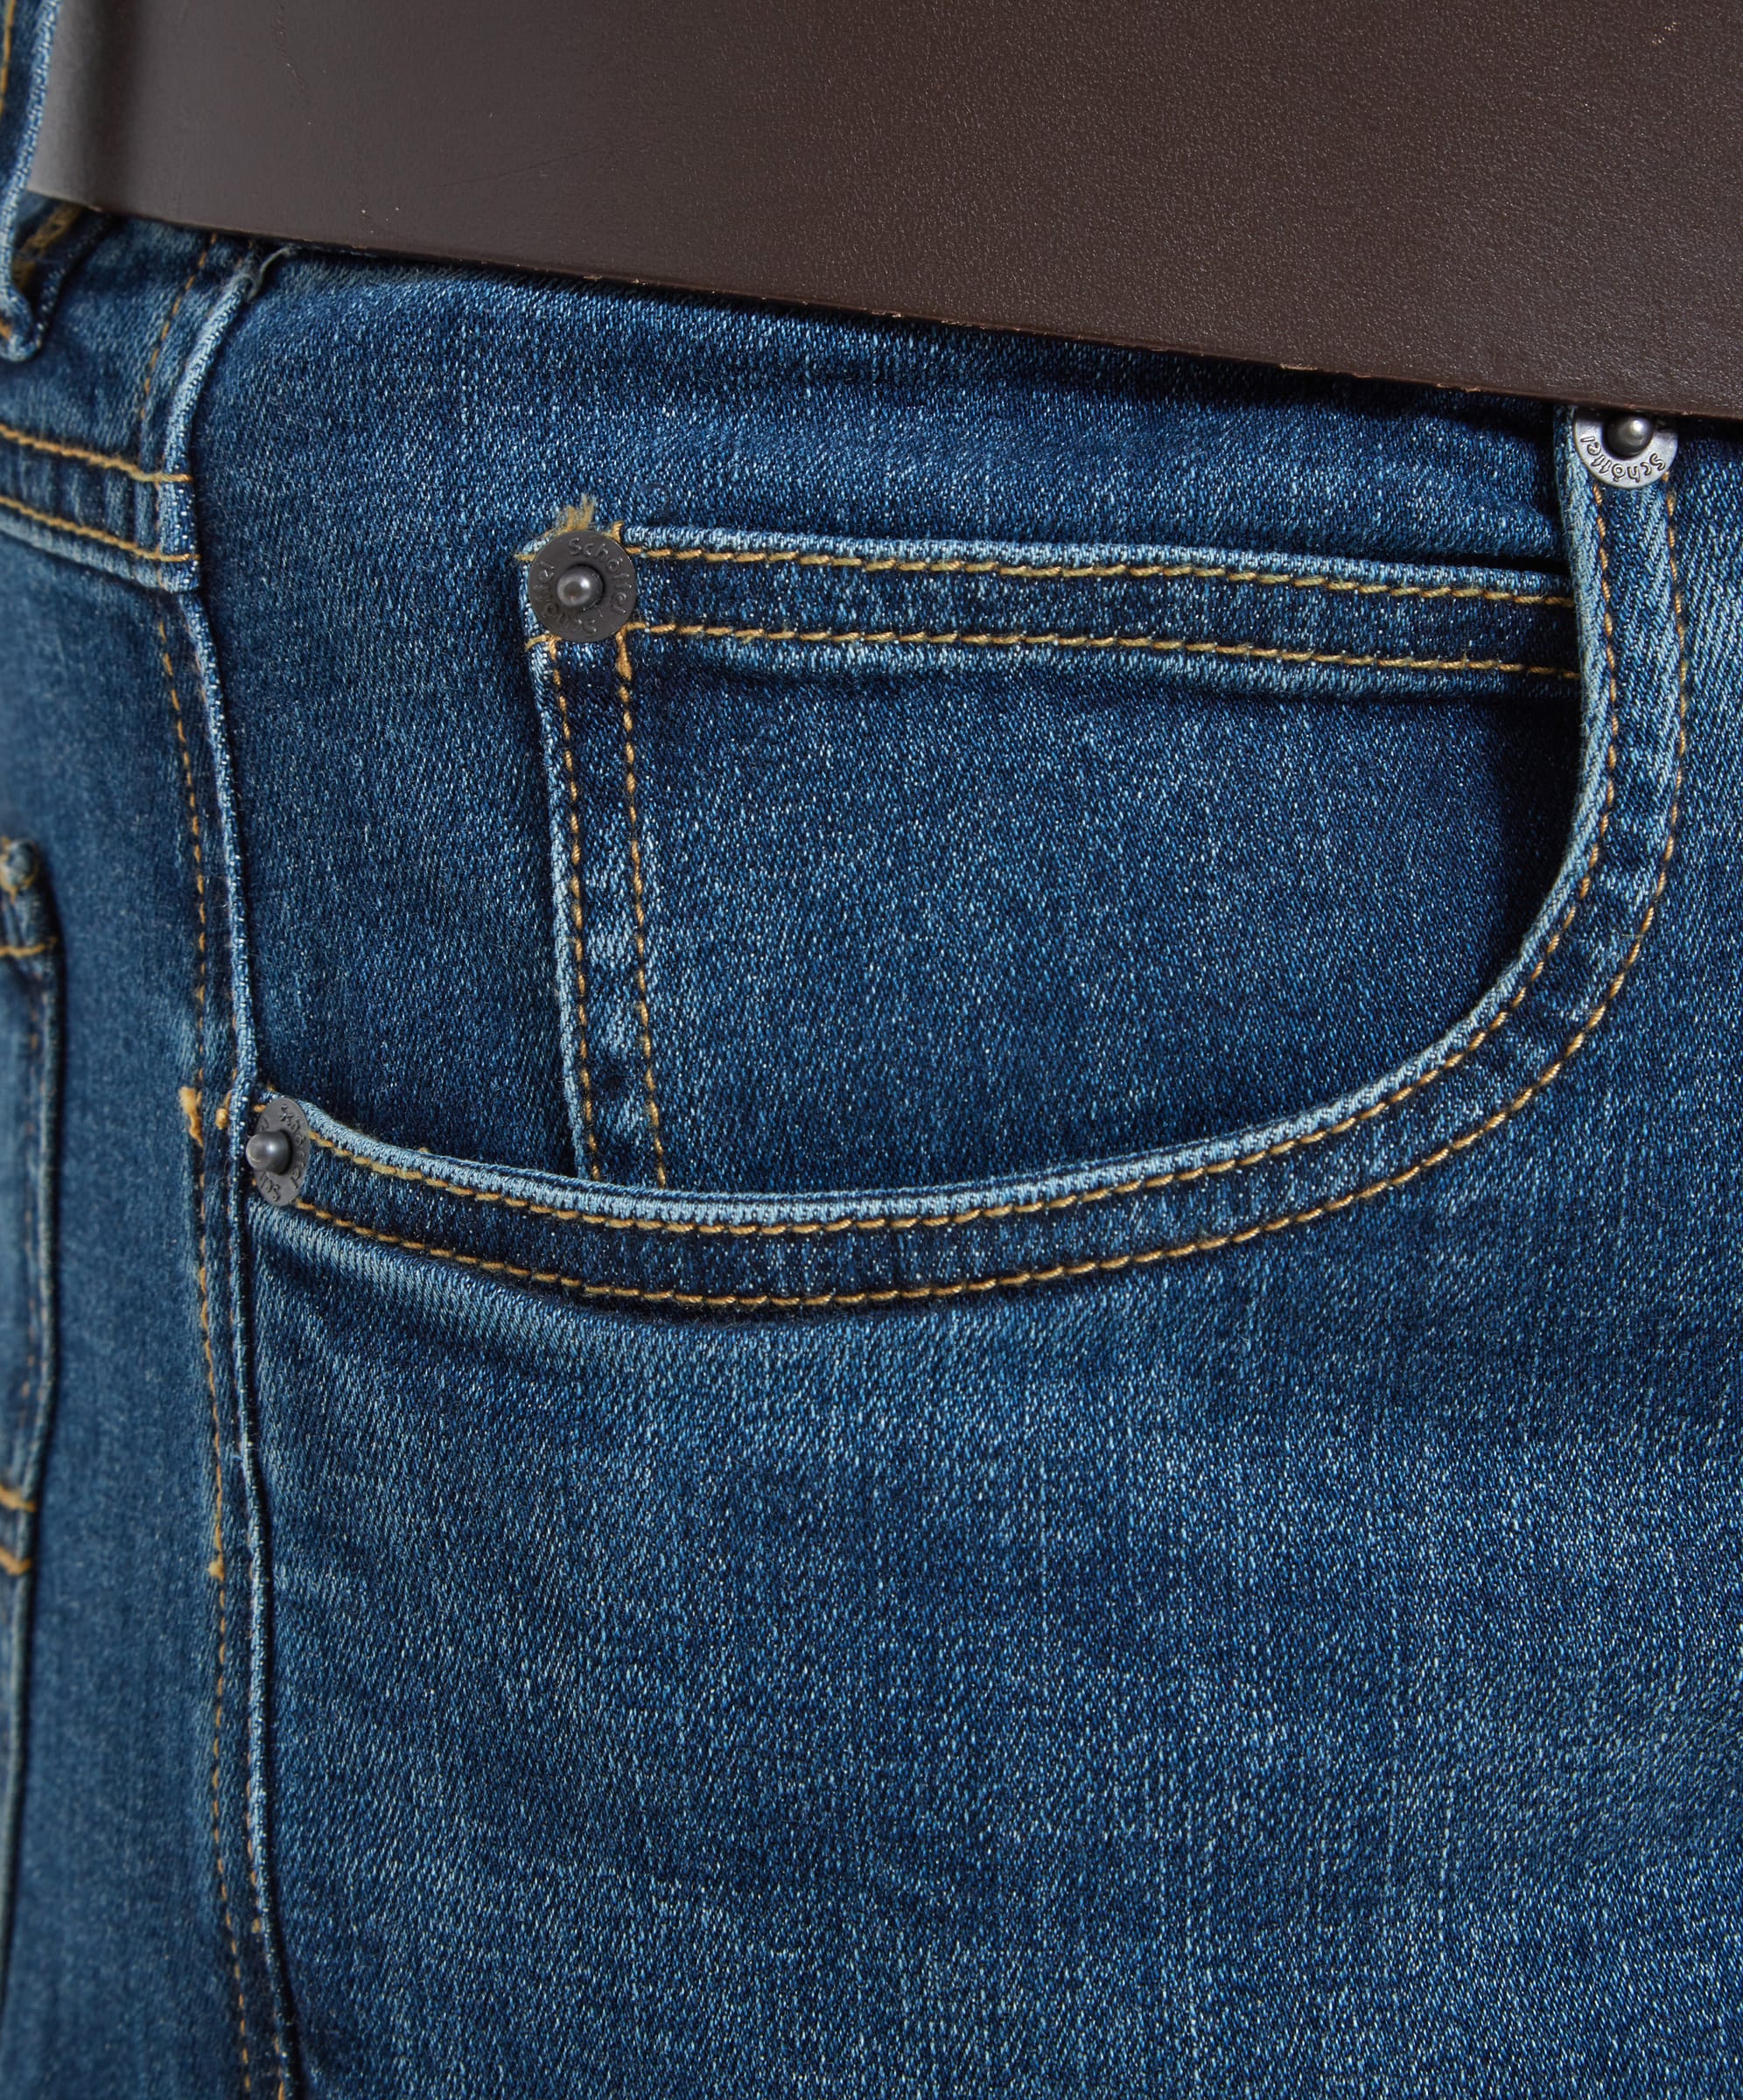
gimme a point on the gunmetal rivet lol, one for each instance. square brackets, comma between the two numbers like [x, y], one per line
[278, 1150]
[581, 586]
[1627, 433]
[269, 1152]
[1623, 448]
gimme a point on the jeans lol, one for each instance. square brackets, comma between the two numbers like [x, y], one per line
[985, 1339]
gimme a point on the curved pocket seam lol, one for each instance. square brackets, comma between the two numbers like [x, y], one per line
[1103, 1264]
[1579, 1008]
[1182, 1177]
[1059, 1271]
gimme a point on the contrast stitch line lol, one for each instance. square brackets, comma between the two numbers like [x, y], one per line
[31, 442]
[91, 532]
[11, 1499]
[1161, 644]
[34, 1337]
[625, 695]
[218, 1563]
[1058, 1271]
[50, 228]
[1176, 1251]
[1137, 1186]
[163, 335]
[1219, 572]
[21, 954]
[12, 1563]
[576, 938]
[1144, 1256]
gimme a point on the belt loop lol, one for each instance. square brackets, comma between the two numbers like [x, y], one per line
[26, 29]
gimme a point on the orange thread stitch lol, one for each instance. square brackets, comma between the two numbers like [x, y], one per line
[218, 1562]
[22, 954]
[1163, 645]
[30, 441]
[33, 1336]
[12, 1565]
[49, 229]
[1205, 1243]
[577, 939]
[1140, 1185]
[1219, 572]
[11, 1499]
[91, 532]
[164, 334]
[624, 694]
[1100, 1265]
[1059, 1271]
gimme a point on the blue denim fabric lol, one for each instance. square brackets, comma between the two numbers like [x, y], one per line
[1009, 1365]
[26, 29]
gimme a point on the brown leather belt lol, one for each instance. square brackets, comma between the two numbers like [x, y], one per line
[1535, 199]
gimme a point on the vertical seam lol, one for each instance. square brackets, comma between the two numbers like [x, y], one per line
[33, 1335]
[14, 1498]
[1680, 621]
[218, 1566]
[577, 934]
[638, 897]
[179, 301]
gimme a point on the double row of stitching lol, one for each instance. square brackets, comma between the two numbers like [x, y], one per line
[1072, 572]
[1156, 645]
[91, 532]
[577, 916]
[111, 462]
[34, 1382]
[638, 900]
[1131, 1186]
[219, 1566]
[1017, 1279]
[1111, 1264]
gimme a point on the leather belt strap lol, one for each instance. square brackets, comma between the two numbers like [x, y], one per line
[1534, 199]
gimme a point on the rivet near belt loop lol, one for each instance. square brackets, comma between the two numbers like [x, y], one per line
[582, 586]
[1623, 448]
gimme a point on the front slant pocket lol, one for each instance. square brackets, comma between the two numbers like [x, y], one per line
[887, 863]
[30, 1031]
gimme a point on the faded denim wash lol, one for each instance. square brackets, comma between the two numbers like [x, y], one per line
[1009, 1365]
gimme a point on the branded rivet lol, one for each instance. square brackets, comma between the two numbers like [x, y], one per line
[581, 586]
[1623, 448]
[278, 1150]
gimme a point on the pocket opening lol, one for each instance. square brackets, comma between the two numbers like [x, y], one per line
[937, 864]
[607, 1244]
